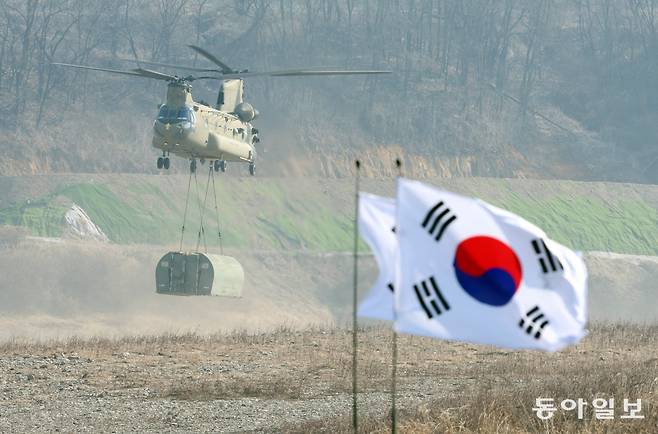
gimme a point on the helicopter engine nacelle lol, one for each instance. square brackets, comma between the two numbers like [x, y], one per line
[246, 112]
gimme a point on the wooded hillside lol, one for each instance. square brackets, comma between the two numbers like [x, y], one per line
[563, 88]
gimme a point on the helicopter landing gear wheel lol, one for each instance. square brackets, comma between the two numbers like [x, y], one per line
[160, 163]
[222, 165]
[192, 166]
[165, 163]
[252, 169]
[216, 165]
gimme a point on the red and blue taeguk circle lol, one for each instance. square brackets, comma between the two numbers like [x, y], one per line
[488, 270]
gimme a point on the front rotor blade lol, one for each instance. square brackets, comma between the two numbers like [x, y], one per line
[205, 77]
[170, 65]
[303, 72]
[93, 68]
[225, 68]
[154, 74]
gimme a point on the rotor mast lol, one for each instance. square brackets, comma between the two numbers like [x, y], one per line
[179, 93]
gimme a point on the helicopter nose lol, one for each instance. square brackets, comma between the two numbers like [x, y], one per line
[165, 129]
[172, 132]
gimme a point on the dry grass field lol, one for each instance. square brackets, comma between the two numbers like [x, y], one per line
[299, 381]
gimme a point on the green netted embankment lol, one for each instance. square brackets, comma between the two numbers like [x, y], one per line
[316, 214]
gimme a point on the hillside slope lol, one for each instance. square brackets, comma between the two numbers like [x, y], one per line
[314, 214]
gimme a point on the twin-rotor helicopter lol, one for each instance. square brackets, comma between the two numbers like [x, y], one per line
[196, 131]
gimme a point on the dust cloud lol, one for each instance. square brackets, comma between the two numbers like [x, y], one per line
[58, 289]
[623, 288]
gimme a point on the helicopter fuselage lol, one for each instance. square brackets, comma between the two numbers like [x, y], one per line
[195, 130]
[192, 130]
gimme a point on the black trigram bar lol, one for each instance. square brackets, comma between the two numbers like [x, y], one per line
[534, 322]
[390, 287]
[433, 302]
[439, 216]
[547, 260]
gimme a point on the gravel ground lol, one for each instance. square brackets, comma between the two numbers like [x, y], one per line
[190, 383]
[299, 381]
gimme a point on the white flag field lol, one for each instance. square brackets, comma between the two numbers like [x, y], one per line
[458, 268]
[376, 227]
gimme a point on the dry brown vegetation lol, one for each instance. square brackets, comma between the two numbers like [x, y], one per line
[496, 390]
[300, 381]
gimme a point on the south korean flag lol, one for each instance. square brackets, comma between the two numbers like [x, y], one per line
[472, 272]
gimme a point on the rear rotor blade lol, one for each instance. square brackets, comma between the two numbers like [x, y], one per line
[304, 72]
[225, 68]
[299, 72]
[229, 73]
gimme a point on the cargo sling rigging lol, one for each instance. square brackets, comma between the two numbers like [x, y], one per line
[201, 235]
[195, 273]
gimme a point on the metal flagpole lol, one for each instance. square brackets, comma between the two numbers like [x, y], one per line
[393, 380]
[394, 345]
[355, 423]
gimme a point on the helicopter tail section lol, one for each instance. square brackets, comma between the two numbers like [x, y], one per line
[230, 95]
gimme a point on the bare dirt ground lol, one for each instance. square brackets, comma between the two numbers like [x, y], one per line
[300, 381]
[86, 345]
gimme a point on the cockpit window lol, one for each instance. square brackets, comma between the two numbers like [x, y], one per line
[175, 115]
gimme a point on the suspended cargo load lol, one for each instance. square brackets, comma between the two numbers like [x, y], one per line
[181, 273]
